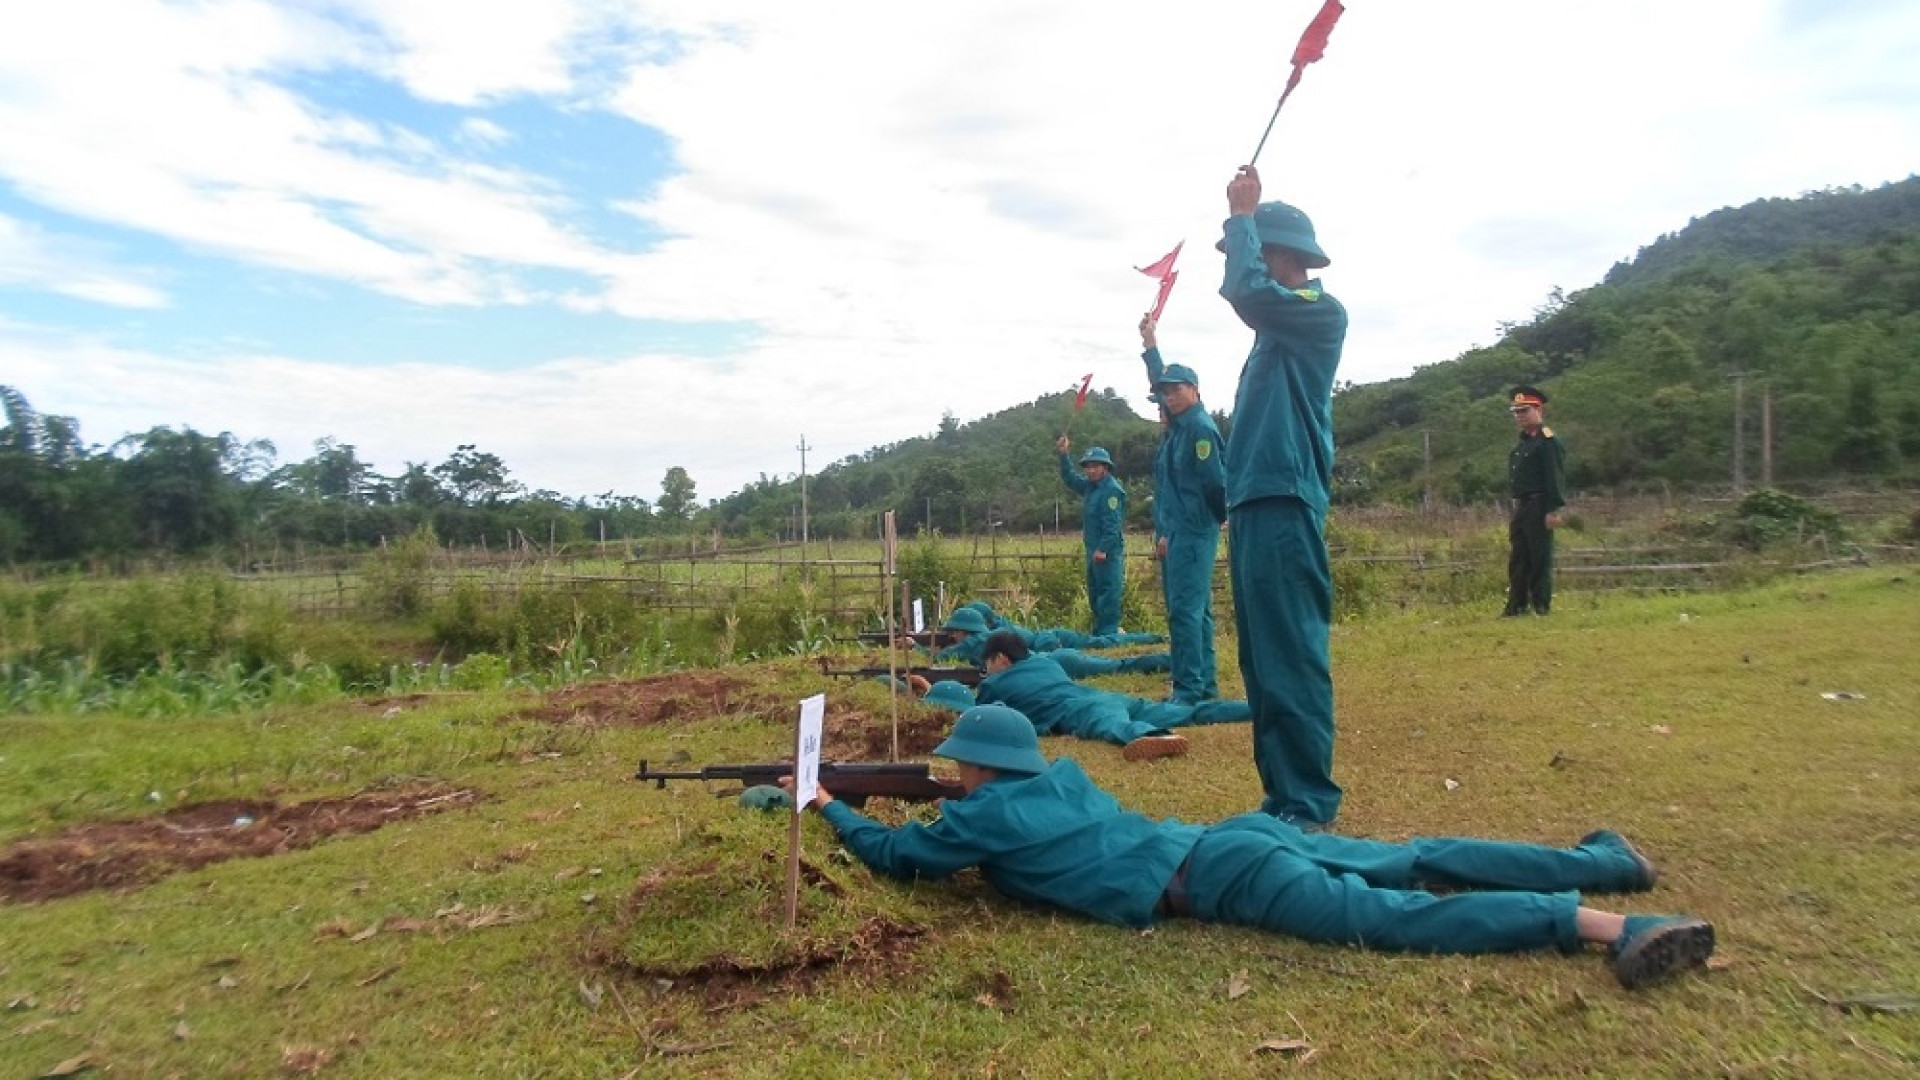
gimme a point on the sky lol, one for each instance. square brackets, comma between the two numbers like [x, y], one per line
[603, 238]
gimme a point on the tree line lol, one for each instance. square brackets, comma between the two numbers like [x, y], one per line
[184, 492]
[1802, 314]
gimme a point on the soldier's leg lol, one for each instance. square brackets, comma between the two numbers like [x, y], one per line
[1542, 585]
[1603, 862]
[1283, 606]
[1517, 566]
[1252, 877]
[1188, 569]
[1106, 584]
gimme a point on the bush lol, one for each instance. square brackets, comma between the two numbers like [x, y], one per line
[399, 577]
[1767, 517]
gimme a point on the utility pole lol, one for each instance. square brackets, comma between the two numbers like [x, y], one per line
[1426, 471]
[1766, 437]
[1739, 431]
[803, 497]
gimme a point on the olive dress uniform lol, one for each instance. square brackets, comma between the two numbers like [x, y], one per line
[1189, 505]
[1536, 479]
[1279, 472]
[1056, 705]
[1056, 838]
[1103, 511]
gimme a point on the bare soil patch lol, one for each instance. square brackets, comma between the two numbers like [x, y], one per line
[687, 695]
[140, 851]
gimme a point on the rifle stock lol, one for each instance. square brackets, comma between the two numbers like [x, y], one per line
[852, 782]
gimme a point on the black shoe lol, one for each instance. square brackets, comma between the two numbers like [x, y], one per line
[1649, 874]
[1654, 947]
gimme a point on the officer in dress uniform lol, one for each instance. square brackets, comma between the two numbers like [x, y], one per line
[1537, 481]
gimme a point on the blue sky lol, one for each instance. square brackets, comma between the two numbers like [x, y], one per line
[600, 238]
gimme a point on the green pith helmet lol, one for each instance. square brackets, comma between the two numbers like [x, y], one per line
[1097, 456]
[1280, 225]
[1177, 373]
[994, 737]
[966, 618]
[949, 694]
[985, 609]
[766, 797]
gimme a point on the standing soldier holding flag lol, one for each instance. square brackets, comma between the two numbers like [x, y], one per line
[1189, 505]
[1102, 514]
[1279, 471]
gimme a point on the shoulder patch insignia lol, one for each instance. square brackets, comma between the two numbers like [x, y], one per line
[1307, 294]
[1203, 449]
[1113, 502]
[1546, 432]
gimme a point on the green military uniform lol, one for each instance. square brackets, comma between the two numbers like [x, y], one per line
[977, 622]
[1189, 505]
[1054, 837]
[1536, 479]
[1040, 688]
[1279, 471]
[1103, 513]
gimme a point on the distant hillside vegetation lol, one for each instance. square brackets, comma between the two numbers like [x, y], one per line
[1816, 300]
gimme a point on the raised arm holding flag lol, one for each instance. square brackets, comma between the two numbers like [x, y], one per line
[1313, 45]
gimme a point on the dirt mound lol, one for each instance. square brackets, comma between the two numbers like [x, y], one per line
[115, 854]
[687, 695]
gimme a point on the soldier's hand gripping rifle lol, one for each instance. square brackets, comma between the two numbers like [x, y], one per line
[852, 782]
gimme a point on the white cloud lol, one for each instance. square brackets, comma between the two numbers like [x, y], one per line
[33, 258]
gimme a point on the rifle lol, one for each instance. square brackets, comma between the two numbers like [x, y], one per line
[852, 782]
[931, 639]
[966, 676]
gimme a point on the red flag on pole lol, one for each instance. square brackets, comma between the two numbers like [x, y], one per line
[1080, 399]
[1167, 275]
[1312, 46]
[1166, 290]
[1161, 269]
[1313, 43]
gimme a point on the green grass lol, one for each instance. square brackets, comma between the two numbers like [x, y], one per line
[1788, 819]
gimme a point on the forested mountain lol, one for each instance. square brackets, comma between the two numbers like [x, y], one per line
[1814, 303]
[1805, 311]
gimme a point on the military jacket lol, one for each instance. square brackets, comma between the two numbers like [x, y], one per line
[1283, 408]
[1055, 838]
[1103, 509]
[1537, 466]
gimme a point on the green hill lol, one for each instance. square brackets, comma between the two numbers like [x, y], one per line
[1816, 300]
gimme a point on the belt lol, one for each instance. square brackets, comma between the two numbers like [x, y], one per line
[1175, 900]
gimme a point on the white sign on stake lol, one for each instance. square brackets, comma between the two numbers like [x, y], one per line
[806, 758]
[919, 617]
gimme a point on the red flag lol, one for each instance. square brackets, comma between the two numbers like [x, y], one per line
[1164, 267]
[1164, 271]
[1166, 289]
[1081, 398]
[1313, 43]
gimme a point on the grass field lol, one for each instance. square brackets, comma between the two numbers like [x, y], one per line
[526, 910]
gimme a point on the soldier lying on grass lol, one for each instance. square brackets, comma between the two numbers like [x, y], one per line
[1045, 832]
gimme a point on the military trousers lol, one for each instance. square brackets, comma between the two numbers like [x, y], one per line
[1529, 558]
[1186, 582]
[1105, 583]
[1256, 871]
[1283, 612]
